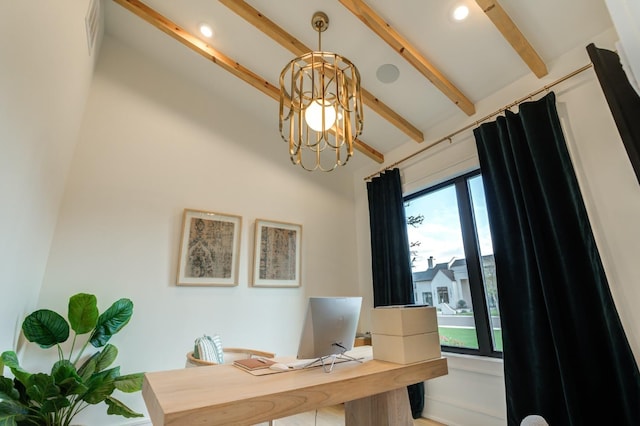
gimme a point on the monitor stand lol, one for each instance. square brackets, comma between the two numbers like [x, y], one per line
[328, 367]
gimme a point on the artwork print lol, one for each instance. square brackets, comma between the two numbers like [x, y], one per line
[209, 249]
[210, 253]
[277, 254]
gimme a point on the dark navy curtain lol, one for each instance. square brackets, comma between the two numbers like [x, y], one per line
[566, 356]
[390, 256]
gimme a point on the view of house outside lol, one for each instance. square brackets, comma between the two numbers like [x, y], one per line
[439, 265]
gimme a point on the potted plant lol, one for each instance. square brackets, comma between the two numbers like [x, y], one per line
[54, 399]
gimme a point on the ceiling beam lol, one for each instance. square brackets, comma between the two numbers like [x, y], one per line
[398, 43]
[175, 31]
[295, 46]
[512, 34]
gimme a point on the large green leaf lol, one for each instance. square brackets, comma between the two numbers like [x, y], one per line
[54, 404]
[87, 369]
[101, 385]
[67, 379]
[83, 312]
[7, 390]
[11, 412]
[118, 408]
[41, 387]
[98, 362]
[46, 328]
[106, 357]
[62, 370]
[22, 391]
[10, 359]
[130, 382]
[111, 321]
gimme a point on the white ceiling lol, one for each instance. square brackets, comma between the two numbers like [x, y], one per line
[472, 54]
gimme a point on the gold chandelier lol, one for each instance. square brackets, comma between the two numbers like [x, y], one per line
[320, 106]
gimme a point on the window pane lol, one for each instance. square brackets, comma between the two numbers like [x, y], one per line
[439, 267]
[487, 260]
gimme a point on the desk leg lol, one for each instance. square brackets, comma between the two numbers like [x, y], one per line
[385, 409]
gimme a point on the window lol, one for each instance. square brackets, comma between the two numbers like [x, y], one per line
[443, 295]
[427, 299]
[452, 262]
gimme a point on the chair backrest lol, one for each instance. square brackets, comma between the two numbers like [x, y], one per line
[192, 361]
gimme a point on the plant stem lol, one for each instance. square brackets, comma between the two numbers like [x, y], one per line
[73, 343]
[79, 353]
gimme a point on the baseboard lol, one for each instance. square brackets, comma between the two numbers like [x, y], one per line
[138, 422]
[452, 413]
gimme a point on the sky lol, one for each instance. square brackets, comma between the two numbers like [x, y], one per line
[440, 235]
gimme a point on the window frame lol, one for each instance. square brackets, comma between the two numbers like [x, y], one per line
[482, 319]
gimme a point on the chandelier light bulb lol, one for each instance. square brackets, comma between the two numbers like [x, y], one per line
[313, 115]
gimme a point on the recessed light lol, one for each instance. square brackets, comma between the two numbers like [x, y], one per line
[460, 13]
[206, 30]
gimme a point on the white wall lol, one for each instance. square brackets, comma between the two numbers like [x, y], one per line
[45, 72]
[151, 145]
[625, 15]
[473, 391]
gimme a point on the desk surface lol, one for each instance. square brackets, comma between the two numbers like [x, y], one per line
[224, 394]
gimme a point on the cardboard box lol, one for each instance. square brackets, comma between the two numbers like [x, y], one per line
[406, 349]
[404, 320]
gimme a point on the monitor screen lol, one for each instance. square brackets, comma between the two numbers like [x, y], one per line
[329, 327]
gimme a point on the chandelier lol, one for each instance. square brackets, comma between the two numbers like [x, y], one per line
[320, 106]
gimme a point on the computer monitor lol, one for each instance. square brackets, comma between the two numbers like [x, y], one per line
[329, 327]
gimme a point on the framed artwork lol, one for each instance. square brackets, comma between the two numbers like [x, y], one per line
[209, 249]
[276, 260]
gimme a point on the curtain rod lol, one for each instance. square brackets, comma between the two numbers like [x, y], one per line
[483, 119]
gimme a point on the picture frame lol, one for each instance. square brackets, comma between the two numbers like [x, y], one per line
[276, 258]
[209, 249]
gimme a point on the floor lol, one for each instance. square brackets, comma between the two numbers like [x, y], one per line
[332, 416]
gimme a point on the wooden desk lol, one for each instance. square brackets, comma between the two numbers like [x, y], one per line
[374, 392]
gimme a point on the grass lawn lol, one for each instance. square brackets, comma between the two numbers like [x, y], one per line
[466, 337]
